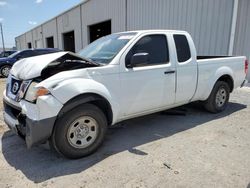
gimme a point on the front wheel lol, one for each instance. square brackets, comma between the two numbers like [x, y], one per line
[79, 132]
[218, 99]
[4, 70]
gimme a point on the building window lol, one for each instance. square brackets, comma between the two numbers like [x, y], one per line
[29, 45]
[99, 30]
[50, 42]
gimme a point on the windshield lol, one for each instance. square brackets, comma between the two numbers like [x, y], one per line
[106, 48]
[14, 54]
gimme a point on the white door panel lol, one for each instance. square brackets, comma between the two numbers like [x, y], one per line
[186, 81]
[146, 88]
[187, 72]
[150, 85]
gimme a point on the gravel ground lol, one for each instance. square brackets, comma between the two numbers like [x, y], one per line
[160, 150]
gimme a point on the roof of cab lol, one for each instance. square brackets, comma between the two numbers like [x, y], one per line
[155, 30]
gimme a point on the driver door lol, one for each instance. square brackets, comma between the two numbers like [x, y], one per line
[146, 85]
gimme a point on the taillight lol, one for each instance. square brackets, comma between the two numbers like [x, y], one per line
[246, 66]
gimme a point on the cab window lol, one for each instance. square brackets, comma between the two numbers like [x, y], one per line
[182, 48]
[155, 46]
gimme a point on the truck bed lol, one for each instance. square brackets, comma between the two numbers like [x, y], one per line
[212, 67]
[211, 57]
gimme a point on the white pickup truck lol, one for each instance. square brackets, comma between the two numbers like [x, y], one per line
[70, 99]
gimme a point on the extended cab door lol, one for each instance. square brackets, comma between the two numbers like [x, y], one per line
[186, 68]
[146, 85]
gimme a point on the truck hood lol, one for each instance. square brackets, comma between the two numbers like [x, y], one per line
[45, 66]
[32, 67]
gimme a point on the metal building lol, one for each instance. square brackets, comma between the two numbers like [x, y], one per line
[218, 27]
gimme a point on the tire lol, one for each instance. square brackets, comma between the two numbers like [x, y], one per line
[79, 132]
[4, 70]
[218, 98]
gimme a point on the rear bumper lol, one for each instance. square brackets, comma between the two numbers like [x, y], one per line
[34, 131]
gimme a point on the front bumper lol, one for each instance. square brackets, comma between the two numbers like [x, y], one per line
[29, 121]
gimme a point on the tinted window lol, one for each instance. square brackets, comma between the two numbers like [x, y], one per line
[7, 54]
[25, 54]
[182, 48]
[41, 52]
[46, 51]
[155, 45]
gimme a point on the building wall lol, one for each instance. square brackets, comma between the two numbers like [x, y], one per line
[18, 42]
[95, 11]
[70, 21]
[242, 33]
[28, 38]
[22, 42]
[209, 21]
[50, 30]
[37, 41]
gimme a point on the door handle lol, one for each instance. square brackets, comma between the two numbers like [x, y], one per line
[169, 72]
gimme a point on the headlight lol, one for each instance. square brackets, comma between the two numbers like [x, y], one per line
[33, 92]
[23, 89]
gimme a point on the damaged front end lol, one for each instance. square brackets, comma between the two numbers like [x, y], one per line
[66, 63]
[44, 66]
[29, 109]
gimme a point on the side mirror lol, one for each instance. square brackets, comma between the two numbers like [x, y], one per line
[139, 59]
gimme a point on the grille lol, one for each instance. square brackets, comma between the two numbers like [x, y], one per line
[15, 86]
[15, 89]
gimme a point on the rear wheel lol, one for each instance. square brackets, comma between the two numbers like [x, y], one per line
[79, 132]
[5, 70]
[218, 99]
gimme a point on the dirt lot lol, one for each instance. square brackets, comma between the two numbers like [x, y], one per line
[196, 150]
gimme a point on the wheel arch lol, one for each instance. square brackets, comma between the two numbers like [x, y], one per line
[4, 64]
[222, 77]
[93, 98]
[225, 74]
[228, 79]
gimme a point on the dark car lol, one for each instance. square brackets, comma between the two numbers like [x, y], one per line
[7, 62]
[7, 53]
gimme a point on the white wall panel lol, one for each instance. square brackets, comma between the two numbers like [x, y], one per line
[37, 37]
[50, 30]
[208, 21]
[22, 42]
[70, 21]
[96, 11]
[28, 38]
[242, 33]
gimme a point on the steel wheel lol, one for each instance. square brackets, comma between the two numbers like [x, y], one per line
[5, 71]
[218, 98]
[221, 97]
[82, 132]
[79, 131]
